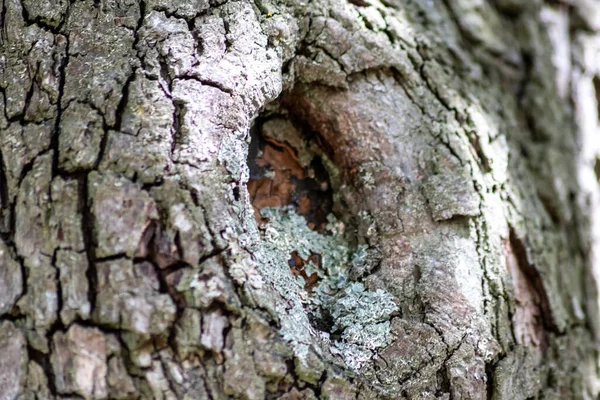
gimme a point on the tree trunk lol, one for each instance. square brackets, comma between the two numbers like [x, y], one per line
[293, 199]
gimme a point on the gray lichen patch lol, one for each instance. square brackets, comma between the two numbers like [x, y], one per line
[288, 232]
[360, 316]
[358, 306]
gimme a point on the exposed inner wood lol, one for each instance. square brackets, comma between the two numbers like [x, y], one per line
[278, 178]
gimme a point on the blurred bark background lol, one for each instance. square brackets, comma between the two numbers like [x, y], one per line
[294, 199]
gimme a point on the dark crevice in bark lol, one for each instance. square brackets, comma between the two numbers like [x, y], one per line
[140, 21]
[173, 14]
[191, 23]
[317, 388]
[23, 274]
[391, 37]
[596, 83]
[490, 369]
[228, 44]
[207, 82]
[168, 377]
[324, 322]
[510, 11]
[121, 106]
[4, 201]
[59, 296]
[146, 243]
[16, 317]
[527, 116]
[365, 21]
[112, 257]
[87, 228]
[101, 326]
[54, 141]
[177, 124]
[147, 187]
[24, 172]
[443, 382]
[162, 279]
[43, 360]
[124, 98]
[359, 3]
[4, 112]
[3, 27]
[164, 74]
[551, 208]
[216, 252]
[236, 192]
[136, 38]
[596, 169]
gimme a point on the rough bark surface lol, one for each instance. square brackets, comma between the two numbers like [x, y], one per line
[297, 199]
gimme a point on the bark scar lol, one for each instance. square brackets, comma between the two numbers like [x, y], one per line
[532, 319]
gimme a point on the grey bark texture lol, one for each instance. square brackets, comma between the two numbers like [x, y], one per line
[294, 199]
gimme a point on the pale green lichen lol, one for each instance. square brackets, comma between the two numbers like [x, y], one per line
[359, 258]
[361, 316]
[359, 306]
[288, 232]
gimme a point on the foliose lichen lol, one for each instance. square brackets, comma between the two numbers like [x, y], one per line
[360, 317]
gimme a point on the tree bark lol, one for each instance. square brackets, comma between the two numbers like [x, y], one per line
[293, 199]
